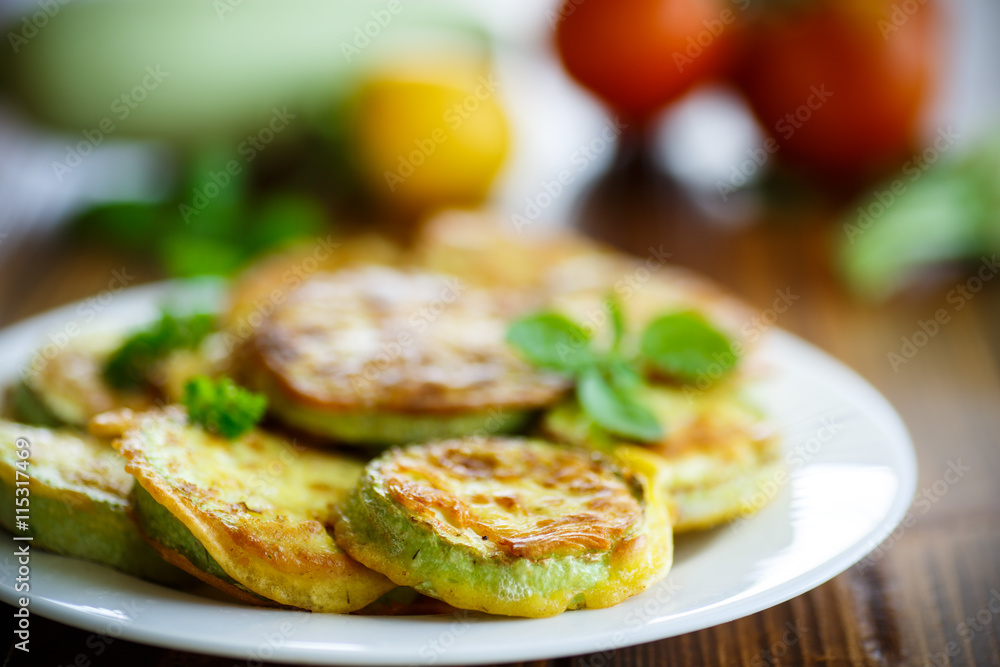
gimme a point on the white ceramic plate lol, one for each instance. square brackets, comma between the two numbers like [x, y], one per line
[852, 475]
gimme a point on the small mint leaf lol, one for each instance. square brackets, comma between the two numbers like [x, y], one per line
[617, 321]
[552, 341]
[686, 347]
[615, 410]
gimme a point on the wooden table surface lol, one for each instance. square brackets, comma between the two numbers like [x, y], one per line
[926, 597]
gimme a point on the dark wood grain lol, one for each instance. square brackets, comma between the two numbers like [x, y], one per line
[905, 605]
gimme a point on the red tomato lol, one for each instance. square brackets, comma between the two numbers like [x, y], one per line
[637, 55]
[841, 84]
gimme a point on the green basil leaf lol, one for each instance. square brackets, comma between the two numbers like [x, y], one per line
[616, 411]
[617, 321]
[552, 341]
[685, 346]
[624, 376]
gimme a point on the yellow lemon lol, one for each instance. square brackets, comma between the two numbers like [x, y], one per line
[431, 138]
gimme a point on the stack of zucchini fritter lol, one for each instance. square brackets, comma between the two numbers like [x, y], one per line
[408, 448]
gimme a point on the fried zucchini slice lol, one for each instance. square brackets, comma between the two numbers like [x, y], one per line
[212, 358]
[69, 388]
[379, 356]
[247, 515]
[78, 500]
[510, 526]
[66, 386]
[482, 250]
[266, 282]
[575, 274]
[718, 449]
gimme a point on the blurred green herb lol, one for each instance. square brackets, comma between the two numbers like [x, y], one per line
[211, 227]
[129, 366]
[222, 407]
[933, 213]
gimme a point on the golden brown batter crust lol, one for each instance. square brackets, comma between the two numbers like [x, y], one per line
[405, 341]
[526, 502]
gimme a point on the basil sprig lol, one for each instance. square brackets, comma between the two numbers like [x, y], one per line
[609, 384]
